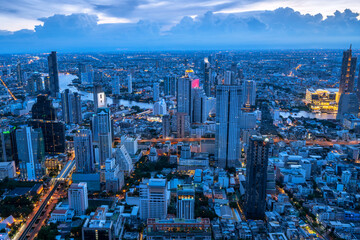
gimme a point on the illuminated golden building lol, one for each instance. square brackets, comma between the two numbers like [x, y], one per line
[323, 100]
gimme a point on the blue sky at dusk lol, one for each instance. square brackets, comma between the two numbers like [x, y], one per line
[110, 25]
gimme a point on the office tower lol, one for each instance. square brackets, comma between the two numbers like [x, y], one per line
[129, 83]
[19, 74]
[31, 154]
[78, 197]
[166, 126]
[256, 177]
[8, 147]
[185, 85]
[44, 117]
[160, 108]
[114, 178]
[53, 74]
[86, 74]
[348, 104]
[185, 202]
[199, 103]
[170, 85]
[347, 77]
[123, 159]
[156, 92]
[131, 144]
[97, 89]
[30, 86]
[66, 104]
[228, 80]
[76, 106]
[207, 82]
[115, 84]
[38, 82]
[84, 152]
[182, 125]
[248, 94]
[71, 107]
[102, 127]
[247, 120]
[227, 137]
[153, 198]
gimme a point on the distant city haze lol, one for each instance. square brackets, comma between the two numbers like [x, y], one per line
[81, 26]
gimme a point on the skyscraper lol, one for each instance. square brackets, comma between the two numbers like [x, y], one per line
[184, 96]
[44, 117]
[348, 101]
[170, 85]
[97, 89]
[129, 83]
[156, 92]
[248, 94]
[348, 104]
[71, 107]
[207, 83]
[199, 103]
[153, 198]
[123, 159]
[53, 74]
[102, 127]
[19, 74]
[8, 147]
[256, 177]
[166, 130]
[182, 125]
[227, 136]
[347, 77]
[115, 84]
[84, 155]
[31, 154]
[185, 202]
[78, 197]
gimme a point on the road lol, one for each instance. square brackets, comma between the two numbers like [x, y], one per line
[30, 231]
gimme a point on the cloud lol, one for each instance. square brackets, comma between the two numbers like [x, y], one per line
[281, 28]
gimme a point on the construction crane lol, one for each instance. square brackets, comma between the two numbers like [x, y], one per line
[12, 95]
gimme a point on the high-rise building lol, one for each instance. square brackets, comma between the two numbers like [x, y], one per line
[115, 84]
[348, 104]
[8, 147]
[184, 92]
[31, 154]
[256, 177]
[229, 76]
[227, 137]
[78, 197]
[19, 74]
[156, 92]
[123, 159]
[182, 125]
[200, 106]
[129, 83]
[102, 127]
[160, 108]
[97, 89]
[185, 202]
[347, 77]
[71, 107]
[166, 126]
[86, 74]
[53, 74]
[84, 152]
[44, 117]
[170, 85]
[34, 84]
[114, 178]
[248, 94]
[153, 198]
[207, 82]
